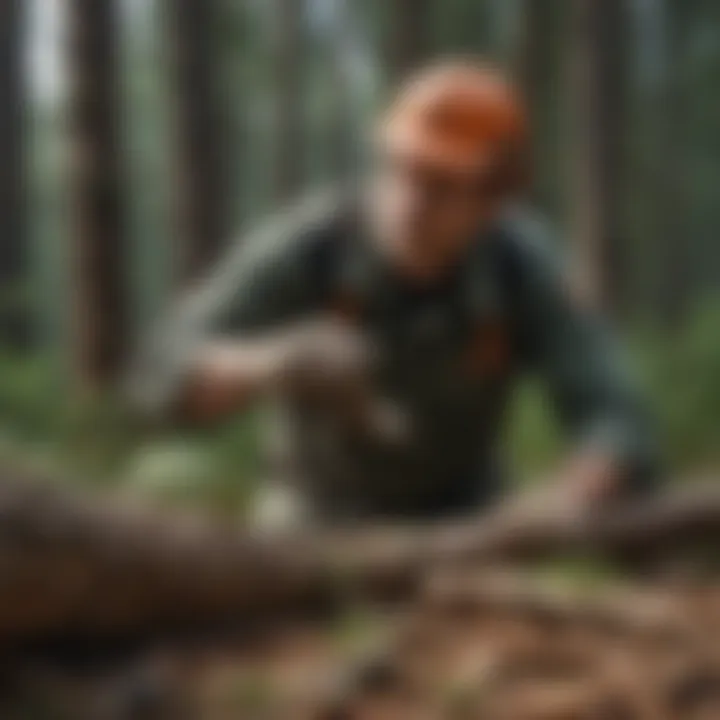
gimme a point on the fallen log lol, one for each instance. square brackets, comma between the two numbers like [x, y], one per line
[70, 564]
[662, 616]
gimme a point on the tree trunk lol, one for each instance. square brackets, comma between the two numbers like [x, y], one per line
[598, 93]
[289, 138]
[409, 38]
[670, 176]
[538, 68]
[342, 131]
[99, 569]
[14, 321]
[101, 328]
[201, 192]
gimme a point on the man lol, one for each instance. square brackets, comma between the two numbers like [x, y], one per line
[393, 326]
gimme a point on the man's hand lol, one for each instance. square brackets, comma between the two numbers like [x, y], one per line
[321, 357]
[327, 363]
[590, 480]
[321, 363]
[586, 483]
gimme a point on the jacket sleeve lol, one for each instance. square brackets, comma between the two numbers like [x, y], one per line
[265, 281]
[590, 385]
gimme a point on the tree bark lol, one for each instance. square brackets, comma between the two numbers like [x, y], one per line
[70, 565]
[289, 137]
[650, 615]
[537, 66]
[408, 40]
[598, 95]
[670, 178]
[201, 190]
[101, 327]
[342, 130]
[14, 320]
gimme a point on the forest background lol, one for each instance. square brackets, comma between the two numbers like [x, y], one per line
[139, 137]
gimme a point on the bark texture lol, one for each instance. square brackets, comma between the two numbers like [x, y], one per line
[201, 192]
[101, 568]
[408, 37]
[100, 314]
[14, 328]
[289, 128]
[598, 79]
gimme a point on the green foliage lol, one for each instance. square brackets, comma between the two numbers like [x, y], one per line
[683, 373]
[27, 391]
[44, 427]
[534, 439]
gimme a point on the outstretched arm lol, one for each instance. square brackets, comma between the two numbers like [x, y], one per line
[591, 388]
[225, 341]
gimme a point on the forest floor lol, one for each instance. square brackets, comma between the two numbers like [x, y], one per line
[495, 646]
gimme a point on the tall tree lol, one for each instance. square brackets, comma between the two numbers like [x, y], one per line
[467, 26]
[598, 94]
[408, 36]
[672, 175]
[537, 65]
[100, 317]
[342, 117]
[13, 241]
[289, 137]
[201, 198]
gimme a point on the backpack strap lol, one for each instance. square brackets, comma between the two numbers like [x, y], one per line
[341, 275]
[493, 296]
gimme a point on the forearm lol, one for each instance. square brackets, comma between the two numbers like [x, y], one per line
[621, 448]
[204, 381]
[613, 461]
[198, 378]
[225, 378]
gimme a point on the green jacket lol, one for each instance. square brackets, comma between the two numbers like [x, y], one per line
[450, 358]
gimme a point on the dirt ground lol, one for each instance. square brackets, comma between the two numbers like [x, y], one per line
[494, 647]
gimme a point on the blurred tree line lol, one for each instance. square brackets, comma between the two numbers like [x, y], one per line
[179, 122]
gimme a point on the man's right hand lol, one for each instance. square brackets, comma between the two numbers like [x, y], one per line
[322, 363]
[321, 357]
[329, 364]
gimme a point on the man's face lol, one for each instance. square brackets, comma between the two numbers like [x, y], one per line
[424, 216]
